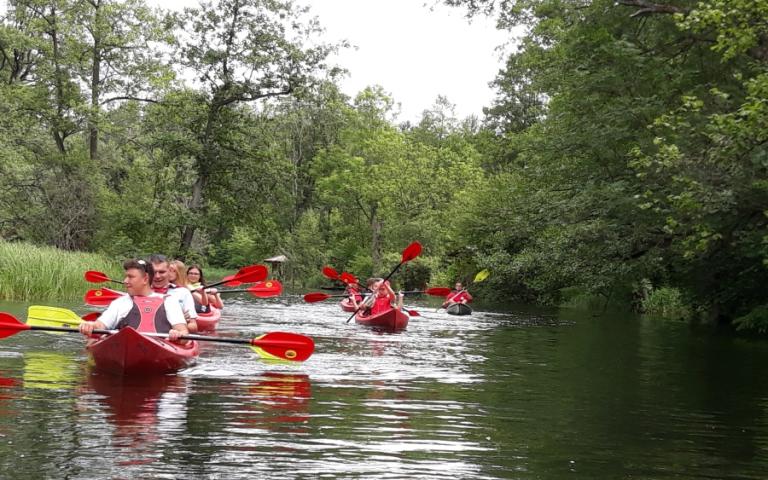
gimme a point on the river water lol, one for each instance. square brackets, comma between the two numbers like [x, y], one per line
[524, 394]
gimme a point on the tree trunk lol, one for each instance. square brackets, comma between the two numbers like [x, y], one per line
[93, 133]
[195, 206]
[375, 238]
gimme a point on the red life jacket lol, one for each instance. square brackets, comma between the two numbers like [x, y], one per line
[381, 304]
[147, 315]
[353, 291]
[458, 296]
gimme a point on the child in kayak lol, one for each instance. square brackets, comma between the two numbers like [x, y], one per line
[381, 299]
[353, 290]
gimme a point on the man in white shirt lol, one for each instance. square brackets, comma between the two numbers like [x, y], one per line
[161, 283]
[137, 281]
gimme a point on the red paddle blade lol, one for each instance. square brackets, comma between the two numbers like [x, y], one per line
[101, 297]
[286, 345]
[95, 277]
[90, 317]
[269, 288]
[316, 297]
[438, 291]
[348, 278]
[330, 273]
[249, 274]
[413, 313]
[10, 325]
[411, 251]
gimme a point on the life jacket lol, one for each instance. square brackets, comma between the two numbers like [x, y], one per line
[381, 304]
[147, 315]
[353, 291]
[458, 296]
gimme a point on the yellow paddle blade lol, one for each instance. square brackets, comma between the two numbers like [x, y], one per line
[44, 316]
[269, 358]
[482, 275]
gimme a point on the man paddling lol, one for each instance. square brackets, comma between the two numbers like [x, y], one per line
[459, 294]
[161, 283]
[142, 309]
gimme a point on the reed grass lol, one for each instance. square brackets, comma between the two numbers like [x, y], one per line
[31, 273]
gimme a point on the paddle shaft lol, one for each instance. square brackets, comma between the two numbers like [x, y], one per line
[201, 338]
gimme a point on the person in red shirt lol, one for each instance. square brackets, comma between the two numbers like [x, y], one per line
[381, 299]
[459, 294]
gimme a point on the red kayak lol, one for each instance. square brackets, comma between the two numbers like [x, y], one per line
[207, 322]
[128, 352]
[392, 319]
[347, 305]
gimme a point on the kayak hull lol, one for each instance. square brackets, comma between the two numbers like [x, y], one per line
[459, 309]
[392, 319]
[207, 322]
[347, 305]
[130, 353]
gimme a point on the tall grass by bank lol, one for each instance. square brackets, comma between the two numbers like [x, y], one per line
[30, 273]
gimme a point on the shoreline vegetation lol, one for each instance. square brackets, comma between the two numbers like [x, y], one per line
[29, 272]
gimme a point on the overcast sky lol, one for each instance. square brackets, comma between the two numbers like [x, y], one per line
[415, 53]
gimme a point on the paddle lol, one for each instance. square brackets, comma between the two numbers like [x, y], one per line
[269, 288]
[249, 274]
[101, 297]
[315, 297]
[94, 276]
[330, 273]
[345, 277]
[275, 345]
[411, 251]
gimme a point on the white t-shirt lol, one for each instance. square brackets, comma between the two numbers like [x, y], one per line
[185, 299]
[120, 308]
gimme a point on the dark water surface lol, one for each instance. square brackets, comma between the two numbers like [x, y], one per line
[517, 395]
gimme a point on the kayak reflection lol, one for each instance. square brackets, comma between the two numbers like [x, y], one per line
[142, 410]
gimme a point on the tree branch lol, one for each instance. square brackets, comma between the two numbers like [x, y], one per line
[128, 97]
[646, 7]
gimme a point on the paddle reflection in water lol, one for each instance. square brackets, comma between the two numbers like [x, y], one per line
[144, 411]
[50, 371]
[277, 401]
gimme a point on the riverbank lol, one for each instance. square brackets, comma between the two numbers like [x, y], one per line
[29, 272]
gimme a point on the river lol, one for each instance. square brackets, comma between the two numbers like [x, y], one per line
[522, 394]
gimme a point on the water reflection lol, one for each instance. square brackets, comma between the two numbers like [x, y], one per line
[283, 397]
[50, 370]
[144, 411]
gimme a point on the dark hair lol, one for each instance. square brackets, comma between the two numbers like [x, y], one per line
[202, 278]
[140, 264]
[158, 258]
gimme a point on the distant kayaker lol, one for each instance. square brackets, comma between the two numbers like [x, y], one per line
[161, 283]
[353, 290]
[459, 294]
[382, 299]
[196, 280]
[142, 309]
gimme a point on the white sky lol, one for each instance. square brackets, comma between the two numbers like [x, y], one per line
[413, 52]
